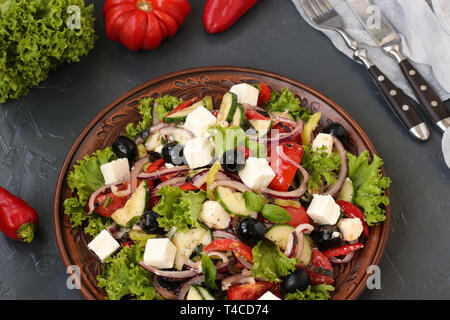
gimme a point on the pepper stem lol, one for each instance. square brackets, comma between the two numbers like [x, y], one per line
[26, 232]
[144, 6]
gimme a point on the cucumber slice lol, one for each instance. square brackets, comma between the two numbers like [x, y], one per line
[181, 115]
[261, 126]
[239, 117]
[287, 203]
[305, 259]
[346, 192]
[140, 236]
[187, 241]
[228, 107]
[205, 293]
[198, 293]
[232, 202]
[279, 234]
[134, 208]
[208, 101]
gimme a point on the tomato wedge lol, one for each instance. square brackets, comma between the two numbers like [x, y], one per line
[248, 291]
[264, 94]
[284, 170]
[236, 246]
[299, 216]
[187, 186]
[108, 203]
[343, 250]
[255, 115]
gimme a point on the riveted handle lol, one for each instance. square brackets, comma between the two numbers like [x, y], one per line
[425, 93]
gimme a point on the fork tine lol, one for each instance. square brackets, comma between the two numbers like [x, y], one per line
[313, 8]
[322, 7]
[308, 10]
[327, 5]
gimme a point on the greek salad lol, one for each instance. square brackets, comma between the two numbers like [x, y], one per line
[244, 199]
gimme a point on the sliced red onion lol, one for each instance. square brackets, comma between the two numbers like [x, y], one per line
[247, 264]
[345, 259]
[230, 184]
[291, 245]
[343, 170]
[171, 182]
[163, 172]
[304, 228]
[200, 178]
[221, 255]
[96, 193]
[169, 274]
[186, 286]
[286, 136]
[137, 169]
[170, 130]
[236, 279]
[122, 193]
[289, 195]
[223, 234]
[163, 292]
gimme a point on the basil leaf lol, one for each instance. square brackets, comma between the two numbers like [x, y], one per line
[209, 272]
[253, 202]
[276, 214]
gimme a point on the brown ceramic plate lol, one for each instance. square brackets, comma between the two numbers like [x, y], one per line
[108, 124]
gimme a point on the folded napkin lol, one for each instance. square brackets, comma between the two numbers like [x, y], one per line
[446, 147]
[425, 31]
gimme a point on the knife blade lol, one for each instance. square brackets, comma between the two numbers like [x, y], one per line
[389, 40]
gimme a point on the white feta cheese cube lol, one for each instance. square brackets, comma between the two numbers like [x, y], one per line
[324, 210]
[214, 216]
[323, 139]
[160, 253]
[199, 120]
[104, 245]
[269, 296]
[246, 93]
[159, 148]
[116, 171]
[256, 173]
[351, 228]
[198, 152]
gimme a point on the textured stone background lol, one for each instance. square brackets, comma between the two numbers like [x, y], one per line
[37, 131]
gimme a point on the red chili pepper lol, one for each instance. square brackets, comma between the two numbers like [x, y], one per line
[231, 245]
[342, 250]
[352, 211]
[18, 220]
[284, 170]
[252, 114]
[219, 15]
[182, 106]
[264, 94]
[155, 165]
[187, 186]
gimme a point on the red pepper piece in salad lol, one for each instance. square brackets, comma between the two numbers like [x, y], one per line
[320, 269]
[187, 186]
[237, 247]
[352, 211]
[264, 94]
[282, 159]
[342, 250]
[299, 216]
[255, 115]
[284, 127]
[250, 291]
[18, 220]
[182, 106]
[156, 165]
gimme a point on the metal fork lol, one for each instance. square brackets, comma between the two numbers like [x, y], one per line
[322, 14]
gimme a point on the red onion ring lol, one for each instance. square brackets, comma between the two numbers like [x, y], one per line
[223, 234]
[171, 182]
[291, 245]
[231, 184]
[304, 228]
[345, 259]
[169, 274]
[284, 137]
[96, 193]
[170, 130]
[186, 286]
[122, 193]
[237, 278]
[290, 195]
[163, 292]
[343, 170]
[137, 168]
[163, 172]
[244, 262]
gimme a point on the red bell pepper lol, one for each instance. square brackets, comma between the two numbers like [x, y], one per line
[237, 247]
[342, 250]
[182, 106]
[319, 262]
[187, 186]
[219, 15]
[18, 220]
[264, 94]
[284, 170]
[352, 211]
[155, 165]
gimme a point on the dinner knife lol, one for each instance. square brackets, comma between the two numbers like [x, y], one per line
[389, 40]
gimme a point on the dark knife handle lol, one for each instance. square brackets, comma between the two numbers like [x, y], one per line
[424, 92]
[398, 101]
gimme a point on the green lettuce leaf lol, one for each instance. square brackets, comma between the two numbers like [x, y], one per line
[270, 263]
[322, 168]
[230, 138]
[145, 110]
[369, 186]
[317, 292]
[124, 277]
[179, 208]
[165, 104]
[280, 102]
[35, 39]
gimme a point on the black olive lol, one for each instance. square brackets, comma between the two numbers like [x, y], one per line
[336, 129]
[298, 280]
[326, 237]
[263, 113]
[168, 283]
[232, 161]
[144, 134]
[149, 223]
[173, 153]
[153, 156]
[250, 230]
[124, 147]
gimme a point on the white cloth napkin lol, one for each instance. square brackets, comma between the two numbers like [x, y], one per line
[425, 36]
[446, 147]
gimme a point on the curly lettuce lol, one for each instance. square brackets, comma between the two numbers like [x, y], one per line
[124, 277]
[317, 292]
[369, 186]
[35, 39]
[270, 263]
[179, 208]
[285, 100]
[165, 104]
[145, 110]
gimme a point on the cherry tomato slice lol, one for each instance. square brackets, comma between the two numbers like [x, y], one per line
[264, 94]
[237, 247]
[299, 216]
[255, 115]
[248, 291]
[108, 203]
